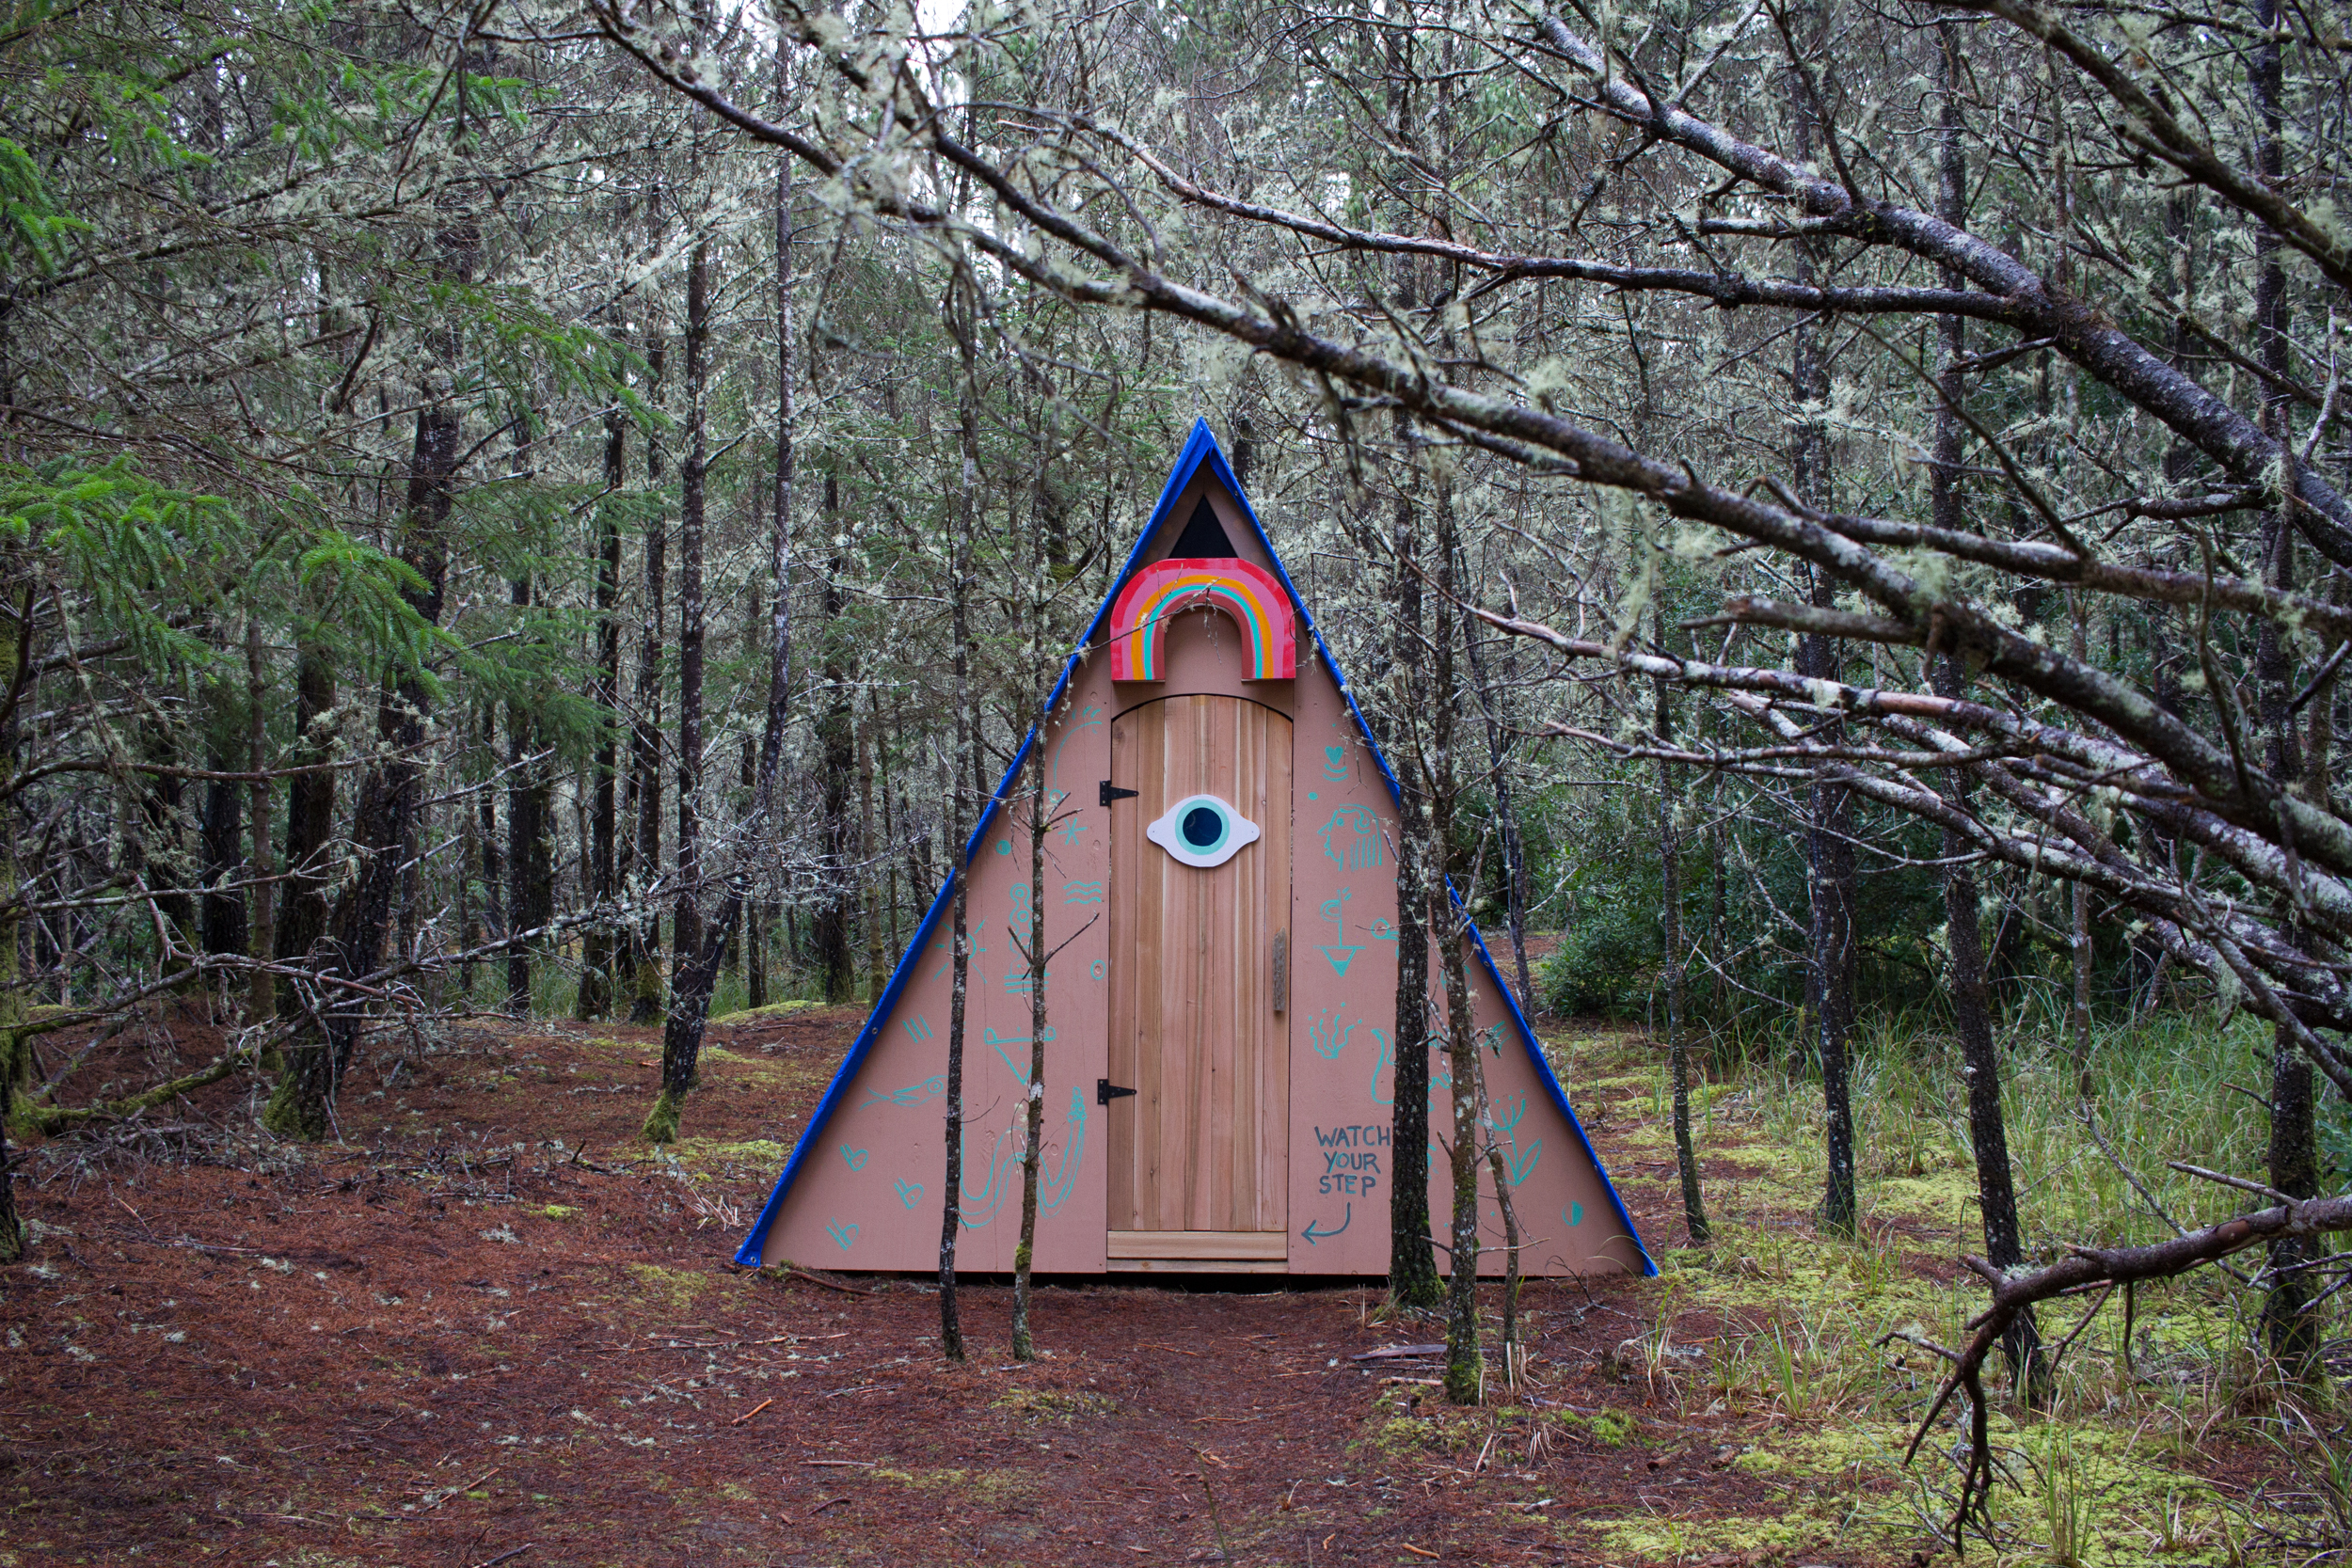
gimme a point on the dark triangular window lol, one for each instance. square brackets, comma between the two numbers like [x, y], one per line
[1203, 538]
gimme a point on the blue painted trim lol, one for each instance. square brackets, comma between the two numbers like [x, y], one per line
[1200, 448]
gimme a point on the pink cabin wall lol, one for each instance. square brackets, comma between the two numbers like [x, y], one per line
[869, 1196]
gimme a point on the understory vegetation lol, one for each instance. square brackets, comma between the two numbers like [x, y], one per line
[1812, 1344]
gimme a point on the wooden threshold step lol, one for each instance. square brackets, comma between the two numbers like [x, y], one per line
[1207, 1246]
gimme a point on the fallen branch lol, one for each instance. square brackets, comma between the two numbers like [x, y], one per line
[2087, 1269]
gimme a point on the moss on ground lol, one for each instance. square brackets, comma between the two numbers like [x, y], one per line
[765, 1153]
[1065, 1406]
[773, 1009]
[674, 1288]
[988, 1486]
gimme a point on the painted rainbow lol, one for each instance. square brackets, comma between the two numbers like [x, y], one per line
[1165, 589]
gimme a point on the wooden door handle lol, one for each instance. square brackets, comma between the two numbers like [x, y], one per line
[1281, 970]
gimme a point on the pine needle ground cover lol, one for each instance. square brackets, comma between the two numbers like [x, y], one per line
[492, 1320]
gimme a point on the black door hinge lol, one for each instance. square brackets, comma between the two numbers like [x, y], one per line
[1112, 792]
[1105, 1091]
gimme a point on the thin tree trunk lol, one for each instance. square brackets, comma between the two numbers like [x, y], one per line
[2291, 1328]
[15, 1055]
[490, 844]
[644, 740]
[695, 953]
[310, 815]
[261, 999]
[780, 540]
[598, 943]
[1513, 1357]
[1972, 1001]
[868, 847]
[223, 833]
[966, 763]
[1033, 1114]
[1465, 1373]
[1829, 848]
[1413, 1262]
[836, 742]
[2079, 947]
[1670, 925]
[529, 898]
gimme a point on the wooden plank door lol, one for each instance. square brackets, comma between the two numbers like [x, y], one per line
[1195, 1027]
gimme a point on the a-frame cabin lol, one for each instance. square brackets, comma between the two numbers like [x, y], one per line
[1221, 886]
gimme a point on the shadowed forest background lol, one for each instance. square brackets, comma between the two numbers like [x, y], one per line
[522, 523]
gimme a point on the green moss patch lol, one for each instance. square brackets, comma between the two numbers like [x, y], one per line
[1056, 1405]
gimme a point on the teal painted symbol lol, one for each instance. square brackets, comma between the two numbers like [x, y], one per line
[973, 933]
[843, 1232]
[1313, 795]
[1020, 896]
[1054, 1184]
[1019, 1070]
[911, 1096]
[1352, 839]
[1518, 1162]
[1313, 1234]
[1095, 970]
[1381, 931]
[1329, 1037]
[1339, 950]
[853, 1158]
[1082, 892]
[1004, 847]
[980, 1206]
[909, 1193]
[1574, 1214]
[1021, 982]
[1335, 767]
[918, 1028]
[1388, 1059]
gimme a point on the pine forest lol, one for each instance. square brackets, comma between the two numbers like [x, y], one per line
[1775, 575]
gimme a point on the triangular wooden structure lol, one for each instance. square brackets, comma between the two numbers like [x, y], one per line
[1221, 891]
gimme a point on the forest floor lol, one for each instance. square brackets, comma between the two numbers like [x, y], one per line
[491, 1327]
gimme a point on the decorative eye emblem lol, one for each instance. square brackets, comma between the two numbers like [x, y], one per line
[1202, 831]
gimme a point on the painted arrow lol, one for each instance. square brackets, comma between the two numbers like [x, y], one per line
[1313, 1235]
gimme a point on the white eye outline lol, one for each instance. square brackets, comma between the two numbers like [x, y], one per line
[1167, 833]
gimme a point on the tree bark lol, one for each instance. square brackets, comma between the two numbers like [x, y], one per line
[1464, 1372]
[598, 943]
[223, 833]
[695, 953]
[1670, 929]
[645, 739]
[2292, 1330]
[309, 814]
[957, 824]
[837, 743]
[15, 1056]
[1033, 1110]
[1412, 1261]
[261, 999]
[1829, 848]
[530, 867]
[1972, 1000]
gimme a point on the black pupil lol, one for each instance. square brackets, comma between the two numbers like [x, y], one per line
[1202, 827]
